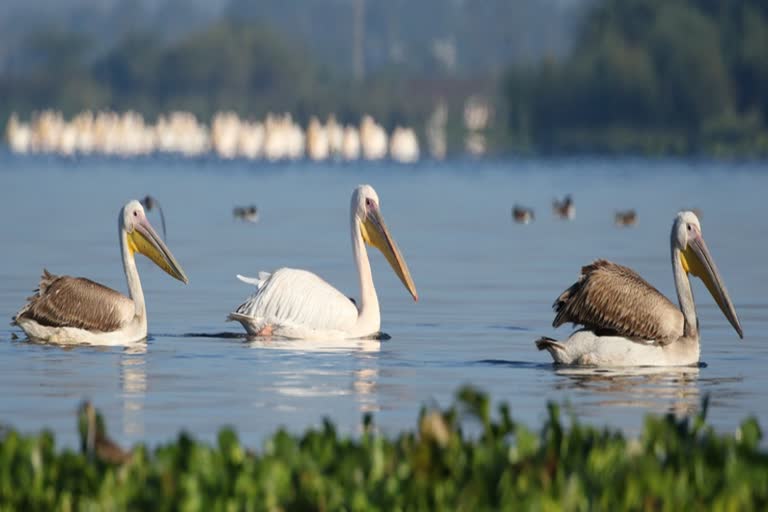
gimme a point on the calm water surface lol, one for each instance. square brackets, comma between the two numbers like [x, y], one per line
[485, 286]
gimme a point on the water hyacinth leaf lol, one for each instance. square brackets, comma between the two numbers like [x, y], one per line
[673, 464]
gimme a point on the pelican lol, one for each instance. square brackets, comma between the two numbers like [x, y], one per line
[293, 303]
[564, 209]
[627, 322]
[522, 215]
[77, 310]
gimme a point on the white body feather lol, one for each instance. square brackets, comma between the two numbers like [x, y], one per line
[135, 329]
[586, 348]
[294, 303]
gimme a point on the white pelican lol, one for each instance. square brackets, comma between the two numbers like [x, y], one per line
[295, 303]
[77, 310]
[627, 322]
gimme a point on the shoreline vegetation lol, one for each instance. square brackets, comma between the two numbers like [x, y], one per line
[674, 464]
[651, 77]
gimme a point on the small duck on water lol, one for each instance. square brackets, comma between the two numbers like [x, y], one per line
[246, 213]
[564, 209]
[625, 218]
[522, 215]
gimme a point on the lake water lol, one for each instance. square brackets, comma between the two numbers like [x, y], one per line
[485, 287]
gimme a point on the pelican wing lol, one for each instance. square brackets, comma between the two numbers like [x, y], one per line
[292, 297]
[614, 299]
[64, 301]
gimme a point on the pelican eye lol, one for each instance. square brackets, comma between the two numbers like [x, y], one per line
[689, 227]
[136, 214]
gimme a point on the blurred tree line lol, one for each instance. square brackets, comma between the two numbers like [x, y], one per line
[643, 76]
[651, 76]
[234, 65]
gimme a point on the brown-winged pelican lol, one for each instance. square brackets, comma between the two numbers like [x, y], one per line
[627, 322]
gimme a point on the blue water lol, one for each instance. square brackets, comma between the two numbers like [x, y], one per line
[485, 289]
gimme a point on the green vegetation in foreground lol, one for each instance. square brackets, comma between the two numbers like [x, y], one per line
[673, 465]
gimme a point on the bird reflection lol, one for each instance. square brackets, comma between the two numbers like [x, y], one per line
[133, 381]
[365, 386]
[358, 345]
[364, 377]
[664, 390]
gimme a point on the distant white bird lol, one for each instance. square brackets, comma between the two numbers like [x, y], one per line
[404, 145]
[295, 303]
[627, 322]
[77, 310]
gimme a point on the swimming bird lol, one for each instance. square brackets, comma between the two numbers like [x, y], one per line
[246, 213]
[77, 310]
[522, 214]
[294, 303]
[625, 218]
[564, 209]
[627, 322]
[150, 203]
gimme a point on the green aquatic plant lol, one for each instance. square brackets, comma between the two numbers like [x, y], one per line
[460, 458]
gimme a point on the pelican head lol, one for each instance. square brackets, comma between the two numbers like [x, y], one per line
[696, 260]
[141, 237]
[367, 213]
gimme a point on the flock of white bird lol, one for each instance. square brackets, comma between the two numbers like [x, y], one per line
[277, 137]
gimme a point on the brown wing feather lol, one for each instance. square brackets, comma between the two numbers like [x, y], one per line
[615, 299]
[64, 301]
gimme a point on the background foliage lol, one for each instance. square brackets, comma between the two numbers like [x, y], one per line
[652, 76]
[642, 76]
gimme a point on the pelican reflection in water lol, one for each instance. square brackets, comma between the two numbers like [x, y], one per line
[627, 322]
[673, 390]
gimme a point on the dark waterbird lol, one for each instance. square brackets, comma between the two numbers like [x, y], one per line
[625, 218]
[564, 209]
[246, 213]
[150, 203]
[522, 215]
